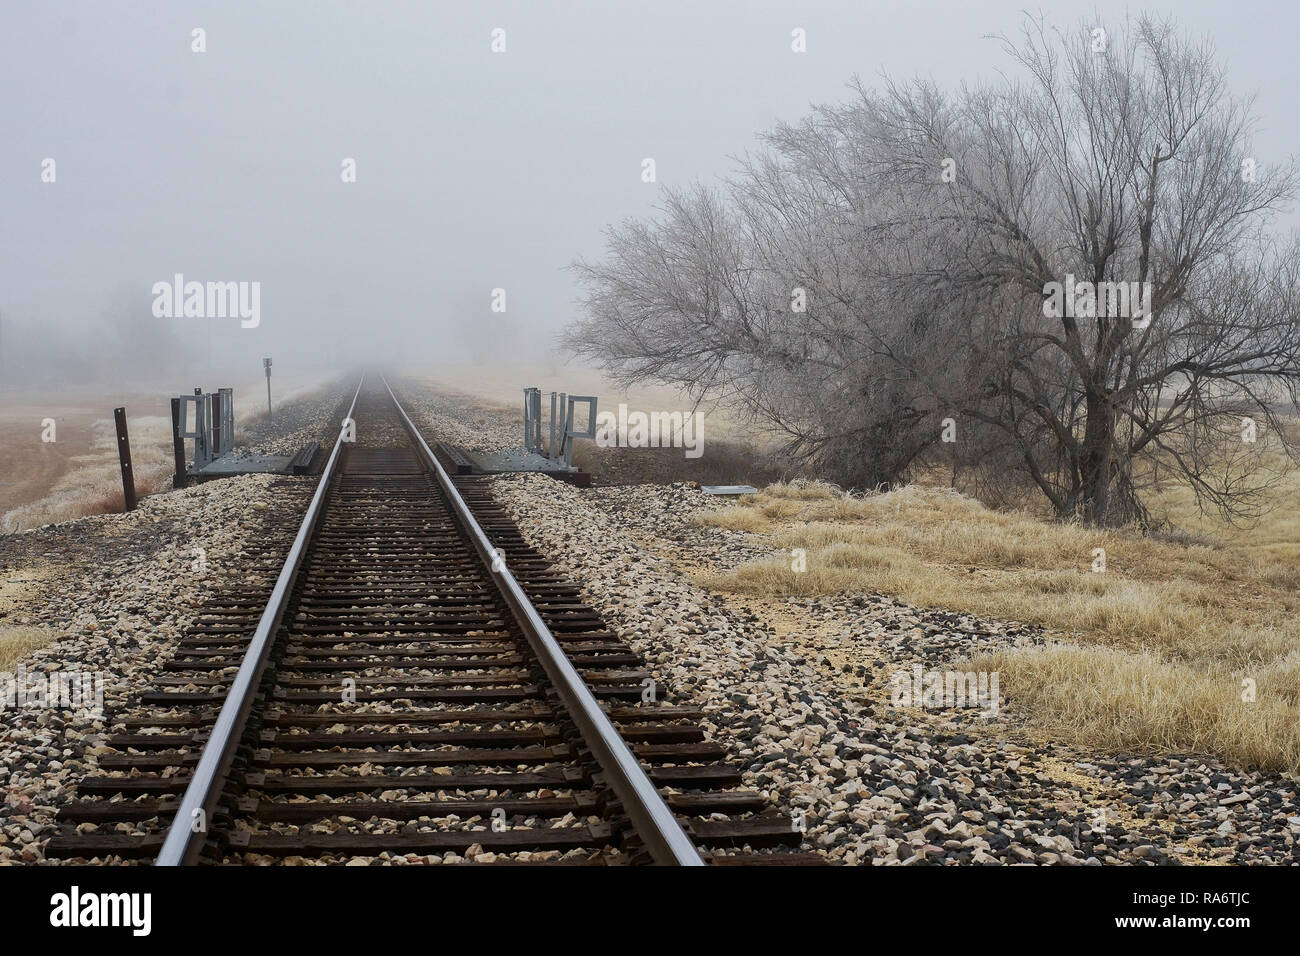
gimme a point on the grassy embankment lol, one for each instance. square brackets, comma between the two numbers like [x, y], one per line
[1155, 648]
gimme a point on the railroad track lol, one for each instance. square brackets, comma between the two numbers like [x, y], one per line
[416, 680]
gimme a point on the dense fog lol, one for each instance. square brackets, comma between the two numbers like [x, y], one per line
[137, 150]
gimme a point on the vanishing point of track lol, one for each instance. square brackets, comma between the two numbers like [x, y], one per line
[415, 680]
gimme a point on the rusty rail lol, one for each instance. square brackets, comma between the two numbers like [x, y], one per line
[663, 836]
[188, 832]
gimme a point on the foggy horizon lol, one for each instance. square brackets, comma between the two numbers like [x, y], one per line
[475, 170]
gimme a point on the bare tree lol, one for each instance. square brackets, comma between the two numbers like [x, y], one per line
[1074, 268]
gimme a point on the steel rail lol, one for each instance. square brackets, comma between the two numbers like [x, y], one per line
[188, 831]
[664, 837]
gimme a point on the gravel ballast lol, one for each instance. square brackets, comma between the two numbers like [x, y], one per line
[798, 688]
[113, 594]
[801, 690]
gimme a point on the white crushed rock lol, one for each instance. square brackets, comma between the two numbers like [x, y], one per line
[795, 688]
[879, 784]
[799, 687]
[118, 591]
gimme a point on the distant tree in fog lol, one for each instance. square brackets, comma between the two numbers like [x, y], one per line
[124, 342]
[931, 241]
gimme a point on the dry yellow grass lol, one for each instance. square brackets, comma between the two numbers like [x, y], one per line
[1137, 702]
[20, 591]
[1171, 616]
[79, 474]
[94, 484]
[17, 642]
[739, 519]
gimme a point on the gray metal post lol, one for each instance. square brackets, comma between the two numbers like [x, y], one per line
[266, 364]
[203, 425]
[558, 453]
[217, 401]
[537, 419]
[568, 430]
[533, 419]
[227, 426]
[550, 448]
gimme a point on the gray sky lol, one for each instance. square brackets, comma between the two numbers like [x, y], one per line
[474, 170]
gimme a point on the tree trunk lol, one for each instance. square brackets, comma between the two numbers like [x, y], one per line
[1095, 460]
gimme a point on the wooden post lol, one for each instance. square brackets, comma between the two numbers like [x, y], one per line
[178, 445]
[124, 453]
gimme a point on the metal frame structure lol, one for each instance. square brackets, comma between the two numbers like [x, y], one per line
[214, 424]
[201, 434]
[223, 432]
[533, 420]
[559, 450]
[566, 443]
